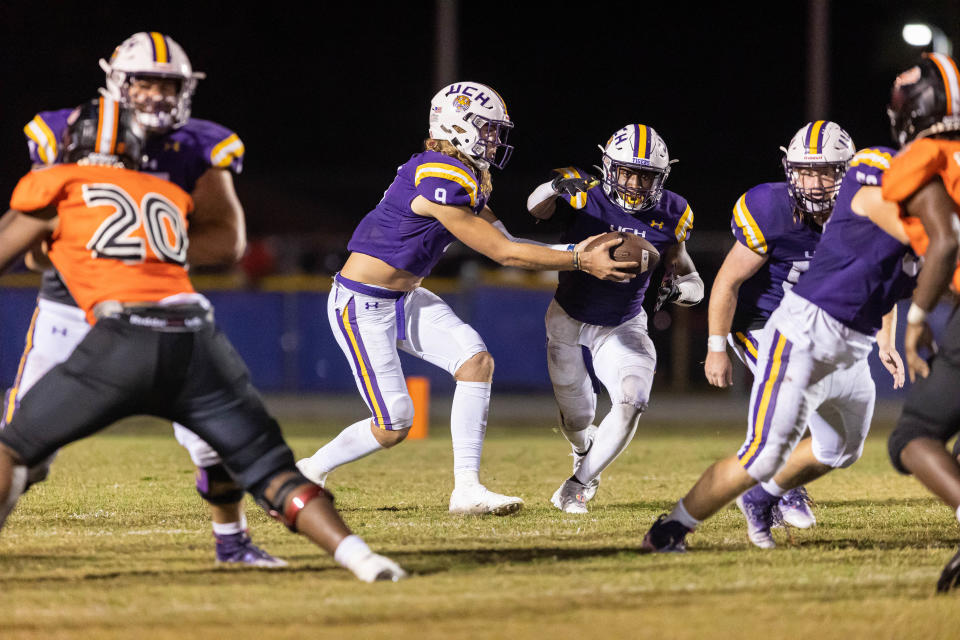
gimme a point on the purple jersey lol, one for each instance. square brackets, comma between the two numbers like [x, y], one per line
[764, 222]
[603, 302]
[181, 156]
[859, 271]
[403, 239]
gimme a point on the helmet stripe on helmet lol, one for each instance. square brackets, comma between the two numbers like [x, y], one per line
[951, 80]
[816, 137]
[107, 127]
[643, 142]
[159, 47]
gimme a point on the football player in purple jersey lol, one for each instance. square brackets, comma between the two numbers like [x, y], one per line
[597, 331]
[378, 306]
[812, 356]
[151, 73]
[777, 226]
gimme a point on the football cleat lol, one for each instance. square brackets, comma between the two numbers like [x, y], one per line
[590, 488]
[570, 497]
[305, 465]
[795, 509]
[237, 549]
[950, 577]
[377, 568]
[665, 536]
[757, 506]
[477, 500]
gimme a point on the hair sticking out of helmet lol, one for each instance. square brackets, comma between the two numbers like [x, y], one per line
[925, 99]
[473, 118]
[103, 132]
[636, 164]
[814, 163]
[150, 73]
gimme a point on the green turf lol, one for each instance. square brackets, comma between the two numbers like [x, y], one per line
[117, 544]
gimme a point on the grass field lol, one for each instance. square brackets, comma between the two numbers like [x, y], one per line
[117, 545]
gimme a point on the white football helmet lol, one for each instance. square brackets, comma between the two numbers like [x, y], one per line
[815, 162]
[152, 55]
[636, 163]
[473, 118]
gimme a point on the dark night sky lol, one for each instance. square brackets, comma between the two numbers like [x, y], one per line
[330, 102]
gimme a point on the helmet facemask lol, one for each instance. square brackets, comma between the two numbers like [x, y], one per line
[633, 187]
[814, 186]
[158, 101]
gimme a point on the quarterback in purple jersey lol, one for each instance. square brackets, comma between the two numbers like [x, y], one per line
[606, 319]
[777, 226]
[151, 73]
[378, 307]
[813, 357]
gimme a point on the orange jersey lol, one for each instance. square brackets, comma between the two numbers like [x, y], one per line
[918, 163]
[122, 235]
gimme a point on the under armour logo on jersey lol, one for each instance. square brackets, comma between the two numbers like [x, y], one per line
[371, 305]
[656, 225]
[62, 331]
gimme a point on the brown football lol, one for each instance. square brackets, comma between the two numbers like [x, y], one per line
[634, 248]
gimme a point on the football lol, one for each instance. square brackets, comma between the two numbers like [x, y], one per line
[634, 248]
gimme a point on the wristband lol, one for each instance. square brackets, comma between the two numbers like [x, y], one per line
[576, 260]
[915, 315]
[717, 344]
[562, 247]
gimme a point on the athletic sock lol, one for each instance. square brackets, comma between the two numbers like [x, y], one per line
[681, 515]
[354, 442]
[613, 435]
[230, 528]
[773, 488]
[468, 425]
[958, 514]
[351, 550]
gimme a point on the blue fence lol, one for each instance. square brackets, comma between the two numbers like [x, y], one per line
[287, 343]
[285, 339]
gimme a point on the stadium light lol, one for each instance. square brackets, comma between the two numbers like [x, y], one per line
[918, 34]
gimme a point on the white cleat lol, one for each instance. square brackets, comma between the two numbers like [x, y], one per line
[590, 489]
[477, 500]
[570, 497]
[795, 509]
[377, 568]
[305, 465]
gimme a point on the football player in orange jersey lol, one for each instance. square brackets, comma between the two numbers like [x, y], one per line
[150, 72]
[118, 239]
[924, 178]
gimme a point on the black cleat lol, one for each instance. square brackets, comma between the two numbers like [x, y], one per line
[666, 536]
[950, 578]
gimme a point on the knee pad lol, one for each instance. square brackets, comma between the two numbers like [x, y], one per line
[838, 460]
[217, 486]
[576, 411]
[908, 430]
[400, 410]
[635, 389]
[293, 494]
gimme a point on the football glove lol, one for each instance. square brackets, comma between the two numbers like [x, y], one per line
[669, 292]
[572, 186]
